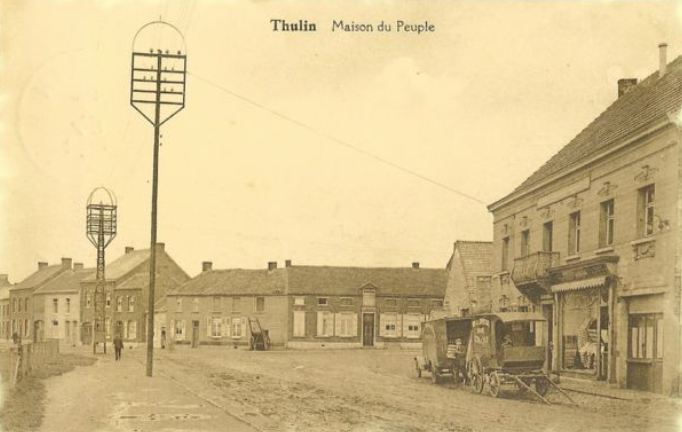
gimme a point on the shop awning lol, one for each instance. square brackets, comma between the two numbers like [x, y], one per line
[579, 284]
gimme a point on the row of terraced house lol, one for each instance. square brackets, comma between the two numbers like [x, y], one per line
[300, 306]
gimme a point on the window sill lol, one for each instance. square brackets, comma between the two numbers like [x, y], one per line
[572, 258]
[642, 241]
[605, 249]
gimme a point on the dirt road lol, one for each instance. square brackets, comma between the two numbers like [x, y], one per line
[376, 391]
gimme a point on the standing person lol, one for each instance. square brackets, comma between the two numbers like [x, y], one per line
[163, 338]
[118, 346]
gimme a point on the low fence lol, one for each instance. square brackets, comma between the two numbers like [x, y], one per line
[30, 356]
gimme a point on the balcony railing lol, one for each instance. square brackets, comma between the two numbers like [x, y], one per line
[532, 269]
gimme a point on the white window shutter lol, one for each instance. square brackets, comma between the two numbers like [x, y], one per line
[224, 327]
[183, 330]
[382, 325]
[337, 324]
[398, 325]
[244, 328]
[320, 327]
[354, 324]
[407, 320]
[172, 328]
[208, 326]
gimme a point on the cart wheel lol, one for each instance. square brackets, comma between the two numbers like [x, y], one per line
[435, 376]
[494, 384]
[541, 386]
[418, 369]
[477, 382]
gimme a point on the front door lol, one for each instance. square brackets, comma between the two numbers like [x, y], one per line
[645, 353]
[368, 329]
[195, 334]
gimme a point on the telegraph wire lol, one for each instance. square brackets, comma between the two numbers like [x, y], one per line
[338, 141]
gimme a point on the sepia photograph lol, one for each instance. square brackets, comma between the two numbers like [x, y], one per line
[360, 216]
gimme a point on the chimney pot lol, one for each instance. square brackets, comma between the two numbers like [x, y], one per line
[287, 263]
[415, 265]
[206, 266]
[41, 265]
[129, 249]
[160, 246]
[625, 85]
[663, 59]
[66, 263]
[272, 265]
[78, 266]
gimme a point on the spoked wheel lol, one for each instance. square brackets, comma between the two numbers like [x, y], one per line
[418, 371]
[541, 386]
[476, 375]
[477, 382]
[494, 384]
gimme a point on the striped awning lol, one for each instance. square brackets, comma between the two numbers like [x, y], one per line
[579, 284]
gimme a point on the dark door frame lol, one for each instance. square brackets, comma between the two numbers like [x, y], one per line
[370, 343]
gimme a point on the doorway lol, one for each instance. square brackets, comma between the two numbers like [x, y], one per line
[368, 329]
[195, 334]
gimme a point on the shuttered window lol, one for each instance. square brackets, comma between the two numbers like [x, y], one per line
[299, 323]
[325, 324]
[346, 324]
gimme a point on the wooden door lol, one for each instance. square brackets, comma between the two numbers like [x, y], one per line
[195, 334]
[368, 329]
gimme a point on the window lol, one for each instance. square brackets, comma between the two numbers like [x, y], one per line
[547, 236]
[525, 243]
[325, 324]
[260, 304]
[368, 298]
[346, 301]
[299, 323]
[412, 325]
[238, 325]
[646, 336]
[55, 305]
[299, 301]
[108, 303]
[68, 305]
[26, 304]
[322, 301]
[132, 329]
[389, 324]
[131, 303]
[574, 233]
[216, 327]
[391, 302]
[645, 215]
[216, 303]
[119, 304]
[195, 304]
[505, 254]
[346, 324]
[107, 327]
[14, 305]
[178, 304]
[606, 223]
[88, 299]
[180, 330]
[235, 303]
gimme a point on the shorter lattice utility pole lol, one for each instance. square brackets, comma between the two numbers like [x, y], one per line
[100, 230]
[157, 91]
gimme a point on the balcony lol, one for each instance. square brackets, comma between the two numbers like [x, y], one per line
[530, 273]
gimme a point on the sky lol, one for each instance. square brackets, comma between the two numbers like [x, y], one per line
[326, 148]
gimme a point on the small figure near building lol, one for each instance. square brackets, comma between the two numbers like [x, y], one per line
[118, 346]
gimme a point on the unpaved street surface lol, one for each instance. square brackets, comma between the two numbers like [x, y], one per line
[376, 390]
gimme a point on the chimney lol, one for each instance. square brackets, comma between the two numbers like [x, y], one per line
[4, 279]
[66, 263]
[663, 59]
[77, 266]
[287, 263]
[415, 265]
[129, 249]
[206, 266]
[625, 85]
[160, 247]
[272, 265]
[41, 265]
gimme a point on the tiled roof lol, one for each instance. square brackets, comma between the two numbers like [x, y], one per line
[234, 282]
[39, 277]
[317, 280]
[477, 258]
[136, 281]
[68, 281]
[123, 265]
[400, 281]
[643, 105]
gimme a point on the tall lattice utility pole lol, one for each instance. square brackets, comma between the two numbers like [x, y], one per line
[157, 91]
[100, 228]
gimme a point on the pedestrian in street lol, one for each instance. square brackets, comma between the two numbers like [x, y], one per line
[163, 338]
[118, 346]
